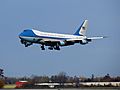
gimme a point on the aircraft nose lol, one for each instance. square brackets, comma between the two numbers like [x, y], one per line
[21, 35]
[27, 33]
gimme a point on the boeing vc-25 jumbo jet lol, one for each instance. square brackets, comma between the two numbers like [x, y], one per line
[54, 40]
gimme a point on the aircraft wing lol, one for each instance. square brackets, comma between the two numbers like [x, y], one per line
[73, 39]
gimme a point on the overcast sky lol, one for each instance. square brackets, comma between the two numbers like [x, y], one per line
[63, 16]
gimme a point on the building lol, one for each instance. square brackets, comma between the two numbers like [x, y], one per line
[100, 83]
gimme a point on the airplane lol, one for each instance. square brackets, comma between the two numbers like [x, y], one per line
[55, 40]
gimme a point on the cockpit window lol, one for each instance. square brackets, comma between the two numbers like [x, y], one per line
[25, 30]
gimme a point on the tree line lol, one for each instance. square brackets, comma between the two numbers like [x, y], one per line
[62, 78]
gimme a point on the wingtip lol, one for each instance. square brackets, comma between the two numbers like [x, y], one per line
[105, 36]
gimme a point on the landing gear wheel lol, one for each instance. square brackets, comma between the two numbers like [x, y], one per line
[27, 44]
[50, 48]
[42, 47]
[57, 48]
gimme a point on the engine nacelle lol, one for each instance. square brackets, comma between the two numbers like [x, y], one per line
[89, 40]
[83, 42]
[62, 43]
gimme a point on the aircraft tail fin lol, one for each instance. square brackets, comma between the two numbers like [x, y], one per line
[82, 29]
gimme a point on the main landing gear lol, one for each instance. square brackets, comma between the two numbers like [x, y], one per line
[50, 47]
[42, 47]
[57, 48]
[54, 47]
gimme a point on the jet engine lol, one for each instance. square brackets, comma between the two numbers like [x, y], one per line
[62, 43]
[83, 42]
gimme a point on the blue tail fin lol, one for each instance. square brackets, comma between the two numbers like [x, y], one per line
[82, 29]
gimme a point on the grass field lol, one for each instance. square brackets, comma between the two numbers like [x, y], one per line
[9, 86]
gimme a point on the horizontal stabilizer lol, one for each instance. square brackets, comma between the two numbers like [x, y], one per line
[99, 37]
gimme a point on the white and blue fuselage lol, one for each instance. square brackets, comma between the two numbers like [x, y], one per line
[35, 35]
[54, 40]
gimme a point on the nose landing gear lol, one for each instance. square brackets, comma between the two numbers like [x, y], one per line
[26, 43]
